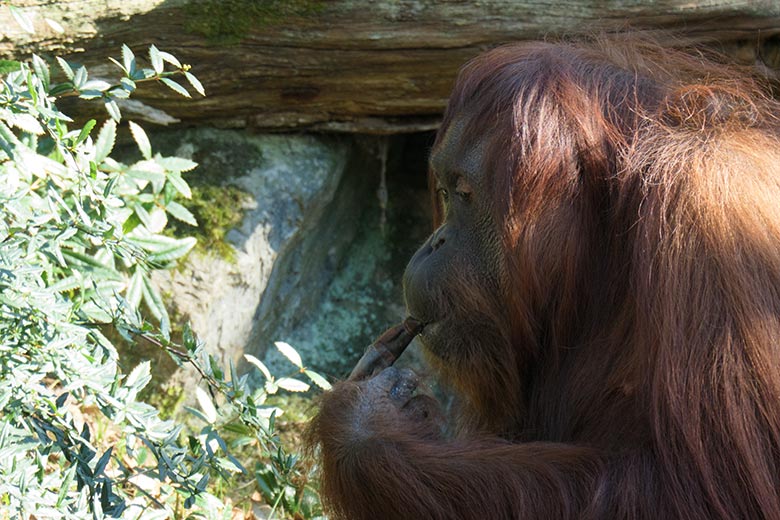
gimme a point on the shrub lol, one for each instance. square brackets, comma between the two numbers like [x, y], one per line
[79, 235]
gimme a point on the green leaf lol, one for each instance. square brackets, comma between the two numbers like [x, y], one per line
[259, 364]
[90, 94]
[80, 78]
[32, 90]
[105, 141]
[65, 68]
[97, 84]
[158, 219]
[189, 339]
[109, 188]
[317, 379]
[57, 90]
[175, 87]
[85, 131]
[66, 483]
[22, 19]
[139, 376]
[112, 60]
[128, 84]
[154, 303]
[156, 59]
[103, 462]
[179, 212]
[180, 184]
[197, 413]
[170, 58]
[169, 193]
[143, 215]
[176, 164]
[146, 175]
[56, 27]
[128, 59]
[113, 110]
[206, 405]
[238, 428]
[181, 248]
[202, 483]
[118, 93]
[289, 352]
[131, 223]
[135, 288]
[144, 74]
[292, 385]
[143, 141]
[196, 84]
[41, 69]
[95, 266]
[237, 466]
[67, 284]
[9, 142]
[25, 122]
[12, 303]
[62, 399]
[153, 243]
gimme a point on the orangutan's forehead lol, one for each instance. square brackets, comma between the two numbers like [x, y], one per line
[457, 152]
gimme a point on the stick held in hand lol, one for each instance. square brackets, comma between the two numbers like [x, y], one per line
[383, 352]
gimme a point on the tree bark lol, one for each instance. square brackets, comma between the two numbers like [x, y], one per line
[353, 66]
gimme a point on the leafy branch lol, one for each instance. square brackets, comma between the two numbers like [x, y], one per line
[80, 235]
[80, 85]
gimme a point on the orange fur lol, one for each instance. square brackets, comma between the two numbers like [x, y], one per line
[636, 369]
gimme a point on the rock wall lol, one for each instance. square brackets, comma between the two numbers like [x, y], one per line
[318, 256]
[364, 297]
[382, 66]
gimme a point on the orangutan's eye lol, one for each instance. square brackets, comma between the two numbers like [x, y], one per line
[444, 195]
[463, 189]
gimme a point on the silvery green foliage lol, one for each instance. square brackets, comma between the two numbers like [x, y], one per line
[79, 235]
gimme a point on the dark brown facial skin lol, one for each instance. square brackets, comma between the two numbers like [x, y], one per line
[466, 245]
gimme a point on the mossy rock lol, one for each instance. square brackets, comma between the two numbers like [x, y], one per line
[227, 22]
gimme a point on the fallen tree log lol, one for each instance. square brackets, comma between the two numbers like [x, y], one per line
[340, 65]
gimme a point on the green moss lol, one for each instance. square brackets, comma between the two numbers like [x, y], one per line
[167, 398]
[227, 22]
[217, 203]
[217, 208]
[7, 66]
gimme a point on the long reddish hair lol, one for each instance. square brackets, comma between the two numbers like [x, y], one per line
[638, 191]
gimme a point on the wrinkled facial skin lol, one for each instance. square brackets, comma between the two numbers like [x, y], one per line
[453, 277]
